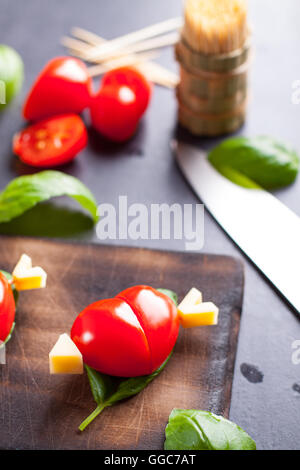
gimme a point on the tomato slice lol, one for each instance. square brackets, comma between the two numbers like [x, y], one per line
[63, 86]
[159, 318]
[51, 142]
[114, 112]
[7, 308]
[111, 340]
[133, 79]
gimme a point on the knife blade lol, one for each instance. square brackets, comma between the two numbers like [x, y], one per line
[266, 230]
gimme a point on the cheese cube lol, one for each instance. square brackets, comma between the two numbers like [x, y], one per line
[202, 314]
[193, 297]
[26, 277]
[65, 357]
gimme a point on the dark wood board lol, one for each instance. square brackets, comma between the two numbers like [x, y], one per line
[39, 411]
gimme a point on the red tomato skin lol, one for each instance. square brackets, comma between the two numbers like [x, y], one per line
[113, 117]
[131, 77]
[45, 158]
[7, 308]
[158, 317]
[63, 86]
[111, 340]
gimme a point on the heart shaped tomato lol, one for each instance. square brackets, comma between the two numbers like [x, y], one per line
[7, 308]
[63, 86]
[129, 335]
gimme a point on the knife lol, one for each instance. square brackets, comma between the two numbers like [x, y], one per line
[264, 228]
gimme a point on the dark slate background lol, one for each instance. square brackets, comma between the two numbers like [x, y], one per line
[145, 171]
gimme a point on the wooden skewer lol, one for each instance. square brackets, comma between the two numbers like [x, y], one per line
[75, 45]
[144, 46]
[159, 74]
[82, 49]
[154, 72]
[87, 36]
[133, 59]
[132, 38]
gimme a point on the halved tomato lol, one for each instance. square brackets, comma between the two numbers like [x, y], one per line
[51, 142]
[63, 86]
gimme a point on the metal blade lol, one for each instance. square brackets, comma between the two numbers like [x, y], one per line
[264, 228]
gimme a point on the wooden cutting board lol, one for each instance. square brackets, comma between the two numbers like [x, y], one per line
[39, 411]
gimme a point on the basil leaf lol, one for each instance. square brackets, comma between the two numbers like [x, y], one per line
[25, 192]
[102, 385]
[134, 385]
[11, 74]
[173, 296]
[108, 390]
[202, 430]
[255, 162]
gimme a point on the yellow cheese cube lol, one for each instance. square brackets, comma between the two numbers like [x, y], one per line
[193, 297]
[26, 277]
[65, 357]
[202, 314]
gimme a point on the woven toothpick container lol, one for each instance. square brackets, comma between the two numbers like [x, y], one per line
[214, 55]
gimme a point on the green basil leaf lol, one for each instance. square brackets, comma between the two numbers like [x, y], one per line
[102, 385]
[173, 296]
[108, 390]
[202, 430]
[25, 192]
[256, 162]
[134, 385]
[11, 74]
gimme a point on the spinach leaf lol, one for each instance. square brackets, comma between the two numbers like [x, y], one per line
[108, 390]
[255, 162]
[173, 296]
[25, 192]
[202, 430]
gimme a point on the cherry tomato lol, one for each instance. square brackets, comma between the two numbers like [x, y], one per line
[129, 335]
[119, 104]
[63, 86]
[7, 308]
[133, 79]
[114, 113]
[51, 142]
